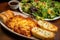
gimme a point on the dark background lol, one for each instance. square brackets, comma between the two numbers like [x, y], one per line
[9, 0]
[4, 0]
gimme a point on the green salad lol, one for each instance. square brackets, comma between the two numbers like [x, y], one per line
[41, 9]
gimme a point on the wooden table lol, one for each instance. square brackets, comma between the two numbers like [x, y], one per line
[4, 36]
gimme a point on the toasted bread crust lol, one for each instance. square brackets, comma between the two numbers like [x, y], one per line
[5, 16]
[41, 33]
[48, 26]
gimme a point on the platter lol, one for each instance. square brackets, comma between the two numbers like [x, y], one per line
[34, 10]
[43, 19]
[24, 26]
[17, 13]
[52, 19]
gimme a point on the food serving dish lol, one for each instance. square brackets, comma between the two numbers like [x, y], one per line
[23, 25]
[17, 13]
[46, 11]
[43, 19]
[13, 4]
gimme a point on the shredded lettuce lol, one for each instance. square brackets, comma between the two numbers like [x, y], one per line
[41, 9]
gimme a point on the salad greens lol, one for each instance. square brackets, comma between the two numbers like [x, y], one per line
[41, 9]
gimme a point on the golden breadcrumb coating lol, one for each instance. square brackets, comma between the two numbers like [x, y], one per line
[21, 25]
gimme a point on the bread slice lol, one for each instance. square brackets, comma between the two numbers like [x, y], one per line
[9, 13]
[47, 25]
[6, 15]
[41, 33]
[3, 18]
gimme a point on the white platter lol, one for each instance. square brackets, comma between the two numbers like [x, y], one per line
[17, 13]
